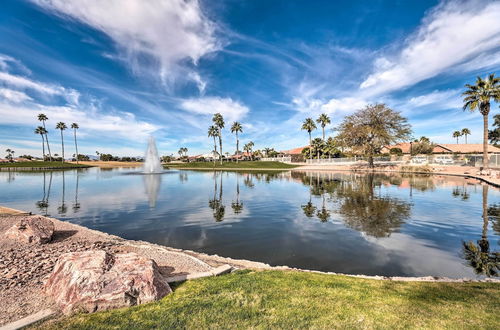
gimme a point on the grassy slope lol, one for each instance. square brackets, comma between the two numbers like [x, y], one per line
[277, 299]
[245, 165]
[41, 164]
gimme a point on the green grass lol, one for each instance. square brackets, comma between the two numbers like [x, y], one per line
[243, 164]
[41, 164]
[279, 299]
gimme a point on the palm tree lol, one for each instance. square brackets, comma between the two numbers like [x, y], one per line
[40, 130]
[465, 132]
[42, 117]
[61, 126]
[235, 128]
[75, 126]
[309, 126]
[218, 121]
[478, 96]
[323, 120]
[248, 148]
[457, 134]
[213, 131]
[181, 150]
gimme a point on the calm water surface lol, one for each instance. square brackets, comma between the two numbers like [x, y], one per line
[358, 224]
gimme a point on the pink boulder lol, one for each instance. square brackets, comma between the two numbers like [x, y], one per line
[32, 229]
[95, 280]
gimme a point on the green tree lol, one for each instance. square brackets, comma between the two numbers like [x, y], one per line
[465, 132]
[323, 120]
[318, 146]
[248, 148]
[371, 128]
[494, 134]
[10, 155]
[309, 126]
[218, 121]
[478, 97]
[237, 128]
[213, 131]
[457, 134]
[62, 126]
[43, 118]
[40, 130]
[75, 126]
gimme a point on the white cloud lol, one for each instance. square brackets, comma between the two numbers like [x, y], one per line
[13, 96]
[443, 99]
[121, 124]
[453, 33]
[26, 83]
[230, 109]
[169, 31]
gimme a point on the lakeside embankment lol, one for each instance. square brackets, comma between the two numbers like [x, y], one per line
[261, 291]
[40, 166]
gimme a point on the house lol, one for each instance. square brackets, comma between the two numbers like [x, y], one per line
[295, 154]
[471, 148]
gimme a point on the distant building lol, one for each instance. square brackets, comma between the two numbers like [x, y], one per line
[295, 154]
[460, 148]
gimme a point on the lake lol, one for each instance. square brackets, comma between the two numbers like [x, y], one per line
[372, 224]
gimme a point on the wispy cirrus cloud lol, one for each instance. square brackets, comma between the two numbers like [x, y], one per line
[454, 33]
[169, 36]
[209, 105]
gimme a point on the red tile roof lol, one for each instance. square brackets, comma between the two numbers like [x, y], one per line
[295, 151]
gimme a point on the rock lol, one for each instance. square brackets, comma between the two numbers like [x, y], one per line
[96, 280]
[32, 229]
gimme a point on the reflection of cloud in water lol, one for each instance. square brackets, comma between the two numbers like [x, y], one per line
[152, 183]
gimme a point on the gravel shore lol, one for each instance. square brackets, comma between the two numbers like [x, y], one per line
[24, 267]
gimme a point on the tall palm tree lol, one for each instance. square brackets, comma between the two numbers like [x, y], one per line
[235, 128]
[478, 96]
[42, 117]
[465, 132]
[309, 126]
[218, 121]
[323, 120]
[40, 130]
[213, 131]
[62, 126]
[457, 134]
[75, 126]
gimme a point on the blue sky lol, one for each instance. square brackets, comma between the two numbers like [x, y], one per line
[125, 69]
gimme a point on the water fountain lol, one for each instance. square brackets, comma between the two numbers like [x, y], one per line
[152, 162]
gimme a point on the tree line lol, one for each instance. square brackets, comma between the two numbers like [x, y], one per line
[44, 133]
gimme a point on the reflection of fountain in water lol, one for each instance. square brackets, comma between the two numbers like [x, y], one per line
[152, 162]
[152, 185]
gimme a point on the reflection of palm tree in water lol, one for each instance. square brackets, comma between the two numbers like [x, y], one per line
[216, 203]
[43, 205]
[63, 208]
[237, 206]
[309, 208]
[479, 256]
[323, 214]
[76, 205]
[248, 181]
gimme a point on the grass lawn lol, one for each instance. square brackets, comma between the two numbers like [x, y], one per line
[278, 299]
[41, 164]
[243, 164]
